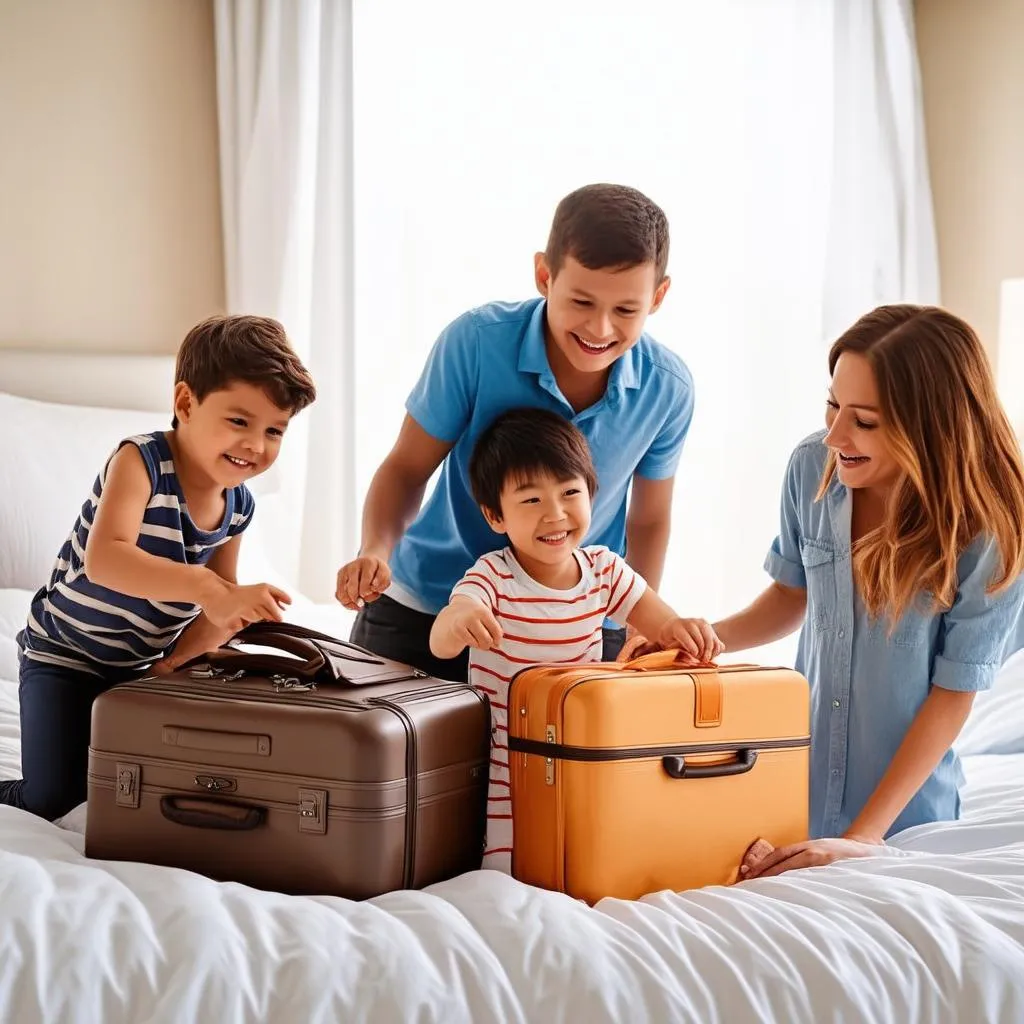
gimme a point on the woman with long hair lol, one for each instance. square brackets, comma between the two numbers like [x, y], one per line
[900, 556]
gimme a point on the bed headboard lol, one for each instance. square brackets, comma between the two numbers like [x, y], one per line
[105, 380]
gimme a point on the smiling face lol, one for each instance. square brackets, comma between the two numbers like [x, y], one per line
[856, 432]
[545, 520]
[233, 434]
[594, 316]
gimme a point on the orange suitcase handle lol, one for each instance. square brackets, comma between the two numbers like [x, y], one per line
[670, 657]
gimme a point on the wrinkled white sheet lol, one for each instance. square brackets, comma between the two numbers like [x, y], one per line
[932, 933]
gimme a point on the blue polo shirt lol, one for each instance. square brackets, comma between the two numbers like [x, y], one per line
[493, 359]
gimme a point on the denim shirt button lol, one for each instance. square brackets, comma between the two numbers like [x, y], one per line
[835, 703]
[842, 633]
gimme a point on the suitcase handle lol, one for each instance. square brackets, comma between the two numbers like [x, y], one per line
[230, 659]
[206, 812]
[666, 657]
[675, 766]
[317, 656]
[257, 632]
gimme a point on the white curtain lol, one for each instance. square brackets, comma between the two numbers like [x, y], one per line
[881, 226]
[783, 138]
[285, 114]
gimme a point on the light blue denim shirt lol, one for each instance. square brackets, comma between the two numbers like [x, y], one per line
[867, 686]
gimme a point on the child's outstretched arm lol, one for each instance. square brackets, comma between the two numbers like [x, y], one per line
[201, 635]
[392, 502]
[114, 560]
[652, 617]
[464, 622]
[775, 613]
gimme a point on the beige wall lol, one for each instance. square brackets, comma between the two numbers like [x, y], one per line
[109, 192]
[972, 70]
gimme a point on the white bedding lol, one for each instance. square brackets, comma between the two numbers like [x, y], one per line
[933, 934]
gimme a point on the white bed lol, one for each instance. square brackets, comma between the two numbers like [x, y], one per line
[933, 934]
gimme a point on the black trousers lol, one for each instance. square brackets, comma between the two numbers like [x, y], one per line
[394, 631]
[56, 714]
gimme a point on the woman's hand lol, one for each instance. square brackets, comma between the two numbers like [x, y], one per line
[813, 853]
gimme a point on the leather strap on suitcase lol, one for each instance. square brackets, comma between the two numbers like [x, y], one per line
[310, 657]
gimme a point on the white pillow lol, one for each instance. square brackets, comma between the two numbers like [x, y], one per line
[47, 469]
[13, 613]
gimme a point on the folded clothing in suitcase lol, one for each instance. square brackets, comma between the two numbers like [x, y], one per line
[321, 770]
[631, 778]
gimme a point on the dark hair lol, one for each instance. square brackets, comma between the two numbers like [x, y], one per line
[524, 441]
[608, 226]
[254, 349]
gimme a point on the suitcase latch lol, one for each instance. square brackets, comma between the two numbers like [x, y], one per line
[215, 783]
[549, 762]
[313, 810]
[127, 794]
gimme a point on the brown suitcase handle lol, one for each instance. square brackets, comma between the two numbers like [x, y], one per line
[231, 659]
[258, 632]
[211, 813]
[319, 657]
[675, 766]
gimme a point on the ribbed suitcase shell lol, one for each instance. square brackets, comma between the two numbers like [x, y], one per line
[629, 779]
[344, 790]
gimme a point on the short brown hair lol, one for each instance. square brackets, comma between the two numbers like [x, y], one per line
[608, 226]
[254, 349]
[522, 442]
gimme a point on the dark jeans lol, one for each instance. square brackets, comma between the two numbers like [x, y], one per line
[394, 631]
[56, 712]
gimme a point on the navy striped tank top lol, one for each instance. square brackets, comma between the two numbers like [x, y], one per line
[78, 624]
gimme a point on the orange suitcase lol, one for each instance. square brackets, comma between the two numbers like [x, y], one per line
[635, 777]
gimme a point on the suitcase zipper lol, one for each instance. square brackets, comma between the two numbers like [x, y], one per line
[206, 691]
[411, 783]
[198, 690]
[563, 752]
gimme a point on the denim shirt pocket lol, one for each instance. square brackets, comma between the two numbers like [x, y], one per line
[819, 561]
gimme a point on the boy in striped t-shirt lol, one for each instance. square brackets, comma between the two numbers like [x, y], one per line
[146, 577]
[544, 597]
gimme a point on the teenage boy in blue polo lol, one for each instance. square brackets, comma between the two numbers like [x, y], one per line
[579, 350]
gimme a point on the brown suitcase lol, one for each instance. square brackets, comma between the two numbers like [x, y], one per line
[324, 770]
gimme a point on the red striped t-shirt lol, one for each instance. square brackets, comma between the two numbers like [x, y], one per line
[540, 625]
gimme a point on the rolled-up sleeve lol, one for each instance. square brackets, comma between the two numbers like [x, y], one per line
[784, 563]
[978, 627]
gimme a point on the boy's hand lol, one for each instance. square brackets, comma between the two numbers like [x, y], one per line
[199, 637]
[693, 636]
[362, 581]
[472, 624]
[232, 608]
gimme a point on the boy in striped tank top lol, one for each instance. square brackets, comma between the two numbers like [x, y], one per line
[544, 597]
[146, 580]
